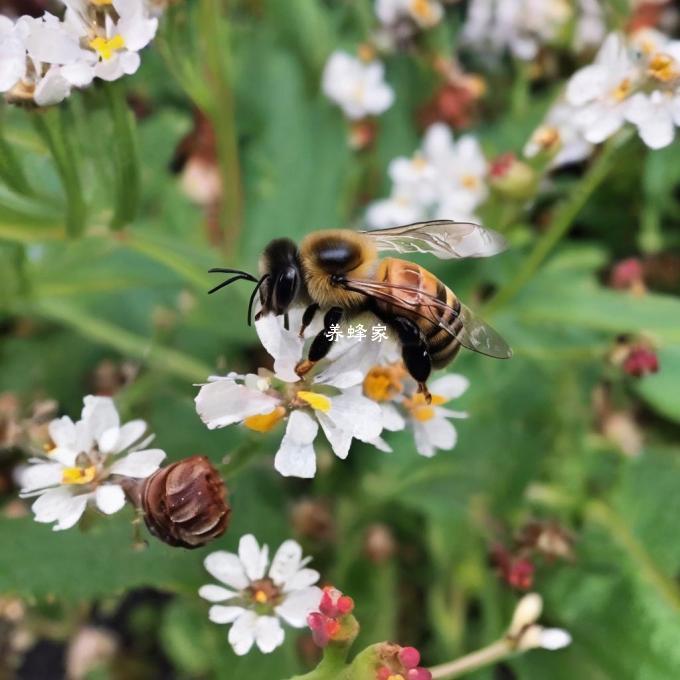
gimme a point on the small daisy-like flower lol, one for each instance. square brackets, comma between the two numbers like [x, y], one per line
[358, 87]
[424, 13]
[258, 596]
[114, 31]
[600, 92]
[86, 463]
[331, 399]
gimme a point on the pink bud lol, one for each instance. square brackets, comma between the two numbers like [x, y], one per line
[626, 273]
[640, 362]
[502, 164]
[345, 604]
[409, 656]
[317, 624]
[327, 605]
[419, 674]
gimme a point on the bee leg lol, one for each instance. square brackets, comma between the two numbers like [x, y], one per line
[322, 343]
[414, 352]
[308, 317]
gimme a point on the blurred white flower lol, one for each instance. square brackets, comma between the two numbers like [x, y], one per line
[356, 86]
[600, 92]
[443, 179]
[82, 466]
[331, 399]
[591, 25]
[259, 596]
[655, 115]
[114, 37]
[521, 26]
[525, 633]
[560, 137]
[425, 13]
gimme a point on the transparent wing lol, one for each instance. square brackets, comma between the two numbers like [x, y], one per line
[468, 329]
[443, 238]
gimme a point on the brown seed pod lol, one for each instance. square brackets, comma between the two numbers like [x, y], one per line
[185, 504]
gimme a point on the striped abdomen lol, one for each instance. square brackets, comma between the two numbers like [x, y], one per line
[442, 345]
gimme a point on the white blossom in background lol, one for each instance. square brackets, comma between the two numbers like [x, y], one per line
[561, 136]
[259, 596]
[590, 28]
[520, 26]
[525, 633]
[633, 80]
[424, 13]
[358, 87]
[85, 464]
[445, 178]
[331, 400]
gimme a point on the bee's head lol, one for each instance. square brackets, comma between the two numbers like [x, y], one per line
[281, 277]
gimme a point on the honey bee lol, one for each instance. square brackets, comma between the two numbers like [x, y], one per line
[340, 273]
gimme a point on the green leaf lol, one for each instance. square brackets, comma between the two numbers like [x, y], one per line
[661, 390]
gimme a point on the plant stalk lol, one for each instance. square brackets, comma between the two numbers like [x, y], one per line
[493, 653]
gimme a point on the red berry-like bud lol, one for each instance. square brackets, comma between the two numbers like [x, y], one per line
[345, 604]
[317, 624]
[520, 574]
[502, 164]
[626, 274]
[419, 674]
[640, 362]
[409, 656]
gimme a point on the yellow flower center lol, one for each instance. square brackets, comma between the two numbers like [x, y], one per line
[662, 68]
[78, 475]
[469, 181]
[420, 409]
[101, 3]
[422, 9]
[265, 422]
[260, 597]
[366, 52]
[395, 676]
[547, 137]
[383, 383]
[622, 90]
[318, 402]
[105, 47]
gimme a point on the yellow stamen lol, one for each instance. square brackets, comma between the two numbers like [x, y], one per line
[662, 68]
[420, 409]
[383, 383]
[419, 163]
[469, 181]
[107, 46]
[265, 422]
[423, 413]
[319, 402]
[78, 475]
[546, 137]
[395, 676]
[260, 597]
[366, 52]
[622, 90]
[101, 3]
[422, 9]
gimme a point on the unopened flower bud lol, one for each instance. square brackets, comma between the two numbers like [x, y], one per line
[526, 613]
[379, 544]
[185, 504]
[512, 178]
[333, 622]
[641, 361]
[399, 662]
[362, 134]
[628, 275]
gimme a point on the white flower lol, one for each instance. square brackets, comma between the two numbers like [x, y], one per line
[257, 599]
[39, 61]
[524, 633]
[591, 25]
[78, 470]
[521, 26]
[432, 429]
[425, 13]
[655, 116]
[357, 87]
[331, 399]
[443, 179]
[559, 133]
[114, 39]
[600, 92]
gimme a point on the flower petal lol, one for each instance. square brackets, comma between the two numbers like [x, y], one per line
[296, 457]
[242, 633]
[298, 604]
[301, 579]
[268, 634]
[214, 593]
[220, 614]
[253, 558]
[139, 464]
[227, 568]
[285, 347]
[110, 498]
[100, 414]
[286, 562]
[40, 476]
[450, 386]
[61, 506]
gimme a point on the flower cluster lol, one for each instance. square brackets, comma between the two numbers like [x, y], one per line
[634, 80]
[524, 26]
[400, 663]
[258, 595]
[443, 179]
[333, 621]
[43, 59]
[362, 390]
[85, 462]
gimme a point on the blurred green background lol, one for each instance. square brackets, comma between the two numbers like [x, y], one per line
[84, 309]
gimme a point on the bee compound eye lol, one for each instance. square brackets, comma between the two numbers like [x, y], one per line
[185, 504]
[285, 289]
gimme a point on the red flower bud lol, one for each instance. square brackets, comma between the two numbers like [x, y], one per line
[640, 362]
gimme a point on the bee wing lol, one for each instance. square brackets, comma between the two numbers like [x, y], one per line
[443, 238]
[466, 327]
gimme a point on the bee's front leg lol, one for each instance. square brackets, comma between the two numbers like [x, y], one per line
[414, 352]
[308, 317]
[322, 343]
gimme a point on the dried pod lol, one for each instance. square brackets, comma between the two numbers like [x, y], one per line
[185, 504]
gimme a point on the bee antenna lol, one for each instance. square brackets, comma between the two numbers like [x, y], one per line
[222, 270]
[252, 297]
[231, 280]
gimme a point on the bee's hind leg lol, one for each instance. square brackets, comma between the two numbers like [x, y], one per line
[322, 343]
[414, 352]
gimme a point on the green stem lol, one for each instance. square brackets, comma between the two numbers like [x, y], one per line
[163, 359]
[332, 666]
[214, 31]
[563, 219]
[126, 157]
[493, 653]
[11, 170]
[49, 124]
